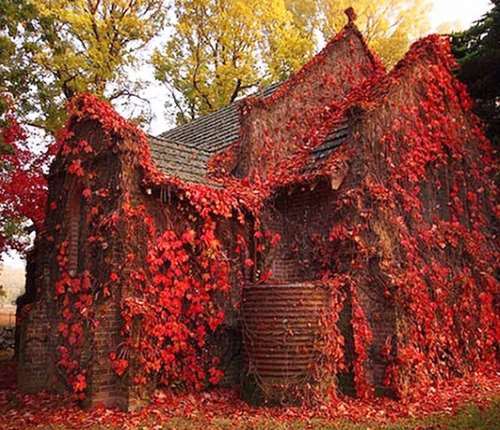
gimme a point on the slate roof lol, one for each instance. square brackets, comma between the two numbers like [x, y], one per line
[215, 131]
[178, 159]
[212, 133]
[184, 151]
[337, 136]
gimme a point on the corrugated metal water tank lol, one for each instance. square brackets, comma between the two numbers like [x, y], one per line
[281, 336]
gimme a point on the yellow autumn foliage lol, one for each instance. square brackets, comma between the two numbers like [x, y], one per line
[220, 50]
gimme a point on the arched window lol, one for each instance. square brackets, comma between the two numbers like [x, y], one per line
[74, 219]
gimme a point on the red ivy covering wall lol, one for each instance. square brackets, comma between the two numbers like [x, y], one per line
[424, 185]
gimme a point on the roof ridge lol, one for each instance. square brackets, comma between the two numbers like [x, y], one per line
[320, 58]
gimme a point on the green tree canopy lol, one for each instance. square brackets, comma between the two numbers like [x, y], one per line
[478, 52]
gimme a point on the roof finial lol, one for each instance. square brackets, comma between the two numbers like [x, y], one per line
[351, 15]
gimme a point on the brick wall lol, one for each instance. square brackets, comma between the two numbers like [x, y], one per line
[38, 328]
[35, 327]
[381, 316]
[302, 218]
[106, 387]
[33, 356]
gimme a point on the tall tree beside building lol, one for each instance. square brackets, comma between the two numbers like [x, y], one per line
[22, 184]
[478, 52]
[221, 49]
[52, 50]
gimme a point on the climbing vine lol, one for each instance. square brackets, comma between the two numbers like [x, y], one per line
[410, 223]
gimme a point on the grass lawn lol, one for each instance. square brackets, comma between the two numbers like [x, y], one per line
[468, 418]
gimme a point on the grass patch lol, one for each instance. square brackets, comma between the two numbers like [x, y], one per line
[469, 417]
